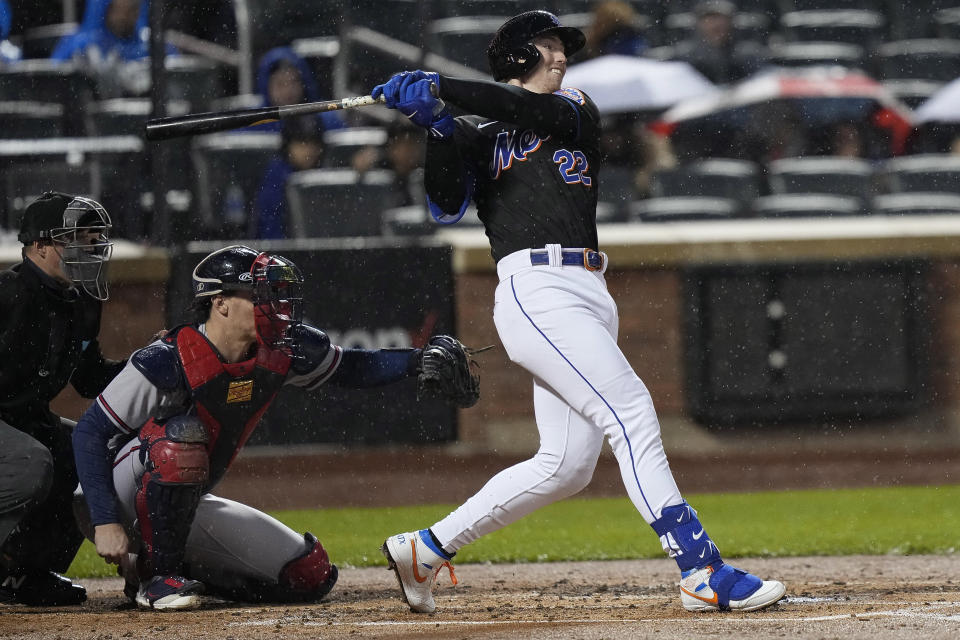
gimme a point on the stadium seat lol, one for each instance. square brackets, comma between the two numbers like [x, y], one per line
[414, 220]
[948, 23]
[193, 80]
[824, 174]
[807, 54]
[819, 5]
[714, 177]
[917, 204]
[329, 203]
[24, 182]
[26, 119]
[862, 28]
[806, 205]
[924, 173]
[747, 26]
[684, 208]
[125, 116]
[228, 169]
[40, 41]
[617, 190]
[505, 8]
[48, 81]
[340, 145]
[321, 55]
[922, 59]
[912, 93]
[463, 40]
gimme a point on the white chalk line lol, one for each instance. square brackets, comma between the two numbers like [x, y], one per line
[926, 612]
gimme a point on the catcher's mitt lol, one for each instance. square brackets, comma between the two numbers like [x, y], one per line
[447, 371]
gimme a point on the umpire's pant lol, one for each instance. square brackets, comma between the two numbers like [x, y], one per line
[37, 479]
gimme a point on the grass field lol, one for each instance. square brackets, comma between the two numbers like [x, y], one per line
[901, 520]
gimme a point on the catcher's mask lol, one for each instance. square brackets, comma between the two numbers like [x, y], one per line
[275, 284]
[79, 229]
[511, 53]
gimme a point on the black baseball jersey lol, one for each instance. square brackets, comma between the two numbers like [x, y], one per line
[534, 183]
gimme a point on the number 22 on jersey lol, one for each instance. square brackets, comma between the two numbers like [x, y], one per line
[573, 166]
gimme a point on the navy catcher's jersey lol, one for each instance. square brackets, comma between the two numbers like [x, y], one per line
[533, 188]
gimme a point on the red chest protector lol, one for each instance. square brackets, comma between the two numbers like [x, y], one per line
[230, 398]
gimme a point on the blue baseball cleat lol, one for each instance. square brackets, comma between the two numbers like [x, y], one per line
[720, 587]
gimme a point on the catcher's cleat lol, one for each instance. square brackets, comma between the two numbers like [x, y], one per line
[169, 592]
[40, 589]
[416, 565]
[723, 588]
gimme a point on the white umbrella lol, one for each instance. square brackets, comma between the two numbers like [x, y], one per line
[942, 106]
[625, 83]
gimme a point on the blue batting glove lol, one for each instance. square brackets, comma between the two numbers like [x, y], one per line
[390, 89]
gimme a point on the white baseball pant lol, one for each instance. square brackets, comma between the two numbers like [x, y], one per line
[560, 324]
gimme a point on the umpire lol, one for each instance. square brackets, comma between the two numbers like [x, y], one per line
[51, 305]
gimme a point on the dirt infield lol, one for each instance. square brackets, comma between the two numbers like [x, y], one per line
[877, 597]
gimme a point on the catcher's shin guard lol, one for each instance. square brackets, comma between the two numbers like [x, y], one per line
[176, 470]
[309, 577]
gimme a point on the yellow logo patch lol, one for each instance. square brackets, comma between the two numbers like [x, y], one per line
[240, 391]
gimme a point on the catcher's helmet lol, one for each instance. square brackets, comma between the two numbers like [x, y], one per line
[511, 53]
[274, 282]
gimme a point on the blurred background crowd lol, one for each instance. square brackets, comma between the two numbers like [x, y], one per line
[712, 109]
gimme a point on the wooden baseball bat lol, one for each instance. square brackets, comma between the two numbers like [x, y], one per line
[197, 123]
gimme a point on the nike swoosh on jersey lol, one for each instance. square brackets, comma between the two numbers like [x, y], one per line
[487, 124]
[697, 536]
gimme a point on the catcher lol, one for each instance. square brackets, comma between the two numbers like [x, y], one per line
[158, 439]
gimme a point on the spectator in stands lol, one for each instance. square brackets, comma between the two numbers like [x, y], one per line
[713, 50]
[614, 31]
[111, 29]
[404, 156]
[301, 149]
[283, 77]
[9, 52]
[113, 36]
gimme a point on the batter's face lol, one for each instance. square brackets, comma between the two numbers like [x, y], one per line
[547, 76]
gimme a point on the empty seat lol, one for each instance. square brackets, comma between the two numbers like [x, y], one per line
[948, 22]
[928, 172]
[837, 176]
[753, 26]
[916, 204]
[24, 183]
[40, 41]
[320, 55]
[49, 81]
[229, 168]
[125, 116]
[862, 28]
[326, 203]
[340, 145]
[912, 93]
[26, 119]
[807, 54]
[921, 59]
[678, 209]
[194, 80]
[806, 205]
[414, 220]
[715, 177]
[616, 191]
[463, 40]
[814, 5]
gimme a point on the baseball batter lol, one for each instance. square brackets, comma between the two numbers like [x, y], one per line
[529, 158]
[162, 434]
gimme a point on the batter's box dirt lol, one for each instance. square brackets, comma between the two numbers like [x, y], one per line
[876, 597]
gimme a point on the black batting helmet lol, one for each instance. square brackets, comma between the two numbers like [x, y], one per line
[511, 53]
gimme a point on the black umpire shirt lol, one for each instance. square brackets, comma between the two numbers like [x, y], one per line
[48, 337]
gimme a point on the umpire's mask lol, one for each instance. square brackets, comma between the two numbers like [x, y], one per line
[85, 245]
